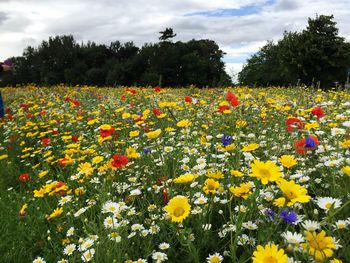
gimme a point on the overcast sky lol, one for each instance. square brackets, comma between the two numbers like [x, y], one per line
[240, 27]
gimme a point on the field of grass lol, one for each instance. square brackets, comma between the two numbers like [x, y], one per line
[174, 175]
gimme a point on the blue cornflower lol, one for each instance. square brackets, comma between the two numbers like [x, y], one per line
[147, 150]
[289, 216]
[310, 143]
[226, 140]
[270, 214]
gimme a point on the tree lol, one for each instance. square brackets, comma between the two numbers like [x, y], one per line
[61, 60]
[317, 54]
[167, 34]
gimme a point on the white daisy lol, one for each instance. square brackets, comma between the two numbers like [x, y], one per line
[39, 260]
[159, 257]
[216, 258]
[293, 238]
[88, 255]
[163, 246]
[327, 203]
[310, 225]
[69, 249]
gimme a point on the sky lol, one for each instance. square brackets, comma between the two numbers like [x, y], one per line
[239, 27]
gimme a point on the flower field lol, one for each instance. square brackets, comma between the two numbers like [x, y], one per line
[174, 175]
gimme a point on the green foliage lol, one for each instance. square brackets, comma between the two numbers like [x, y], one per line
[62, 60]
[317, 54]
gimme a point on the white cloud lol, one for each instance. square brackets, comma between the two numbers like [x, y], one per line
[28, 22]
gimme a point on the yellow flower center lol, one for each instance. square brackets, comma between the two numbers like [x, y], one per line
[214, 259]
[270, 259]
[329, 205]
[264, 173]
[178, 211]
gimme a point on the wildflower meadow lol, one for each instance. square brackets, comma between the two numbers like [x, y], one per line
[133, 174]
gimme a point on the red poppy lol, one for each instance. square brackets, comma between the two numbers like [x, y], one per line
[76, 102]
[8, 110]
[45, 141]
[234, 103]
[294, 123]
[318, 112]
[43, 113]
[123, 97]
[106, 133]
[232, 99]
[24, 177]
[54, 132]
[29, 115]
[156, 111]
[223, 108]
[24, 106]
[119, 160]
[64, 161]
[188, 99]
[157, 89]
[75, 138]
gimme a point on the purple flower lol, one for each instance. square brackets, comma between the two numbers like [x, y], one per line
[310, 143]
[226, 140]
[147, 150]
[270, 214]
[289, 216]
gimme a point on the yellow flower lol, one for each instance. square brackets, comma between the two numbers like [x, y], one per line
[345, 144]
[169, 129]
[335, 260]
[319, 245]
[236, 173]
[79, 191]
[210, 186]
[241, 123]
[161, 116]
[313, 125]
[22, 211]
[91, 122]
[183, 123]
[185, 178]
[178, 208]
[105, 127]
[43, 173]
[250, 147]
[269, 254]
[280, 202]
[266, 172]
[57, 212]
[126, 115]
[85, 168]
[227, 148]
[134, 133]
[288, 161]
[293, 192]
[153, 134]
[4, 156]
[346, 170]
[132, 153]
[215, 174]
[119, 110]
[97, 159]
[243, 190]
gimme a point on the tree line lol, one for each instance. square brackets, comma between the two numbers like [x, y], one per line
[61, 59]
[316, 56]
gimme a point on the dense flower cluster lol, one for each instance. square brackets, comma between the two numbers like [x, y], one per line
[152, 175]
